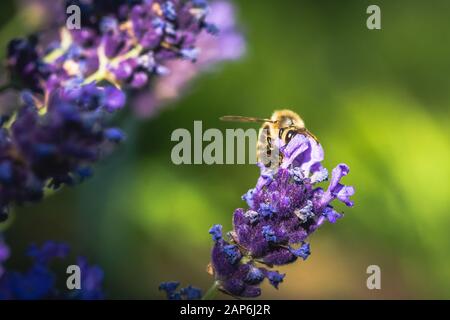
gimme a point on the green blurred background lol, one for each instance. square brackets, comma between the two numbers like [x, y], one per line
[378, 100]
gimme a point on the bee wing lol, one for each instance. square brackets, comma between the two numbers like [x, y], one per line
[244, 119]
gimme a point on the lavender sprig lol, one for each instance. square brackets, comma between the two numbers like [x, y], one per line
[58, 147]
[125, 43]
[284, 209]
[72, 84]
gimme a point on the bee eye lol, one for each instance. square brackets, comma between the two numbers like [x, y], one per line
[290, 135]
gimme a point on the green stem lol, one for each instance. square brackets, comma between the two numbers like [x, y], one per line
[211, 293]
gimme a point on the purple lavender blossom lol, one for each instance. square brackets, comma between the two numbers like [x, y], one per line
[58, 147]
[72, 84]
[124, 42]
[39, 282]
[285, 208]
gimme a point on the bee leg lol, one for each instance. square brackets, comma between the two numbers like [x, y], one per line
[280, 159]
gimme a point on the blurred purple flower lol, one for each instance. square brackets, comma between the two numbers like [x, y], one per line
[39, 282]
[285, 208]
[61, 131]
[48, 251]
[124, 42]
[227, 44]
[187, 293]
[91, 281]
[55, 148]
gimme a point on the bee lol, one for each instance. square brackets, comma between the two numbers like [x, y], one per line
[275, 133]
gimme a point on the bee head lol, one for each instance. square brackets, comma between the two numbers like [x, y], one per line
[287, 118]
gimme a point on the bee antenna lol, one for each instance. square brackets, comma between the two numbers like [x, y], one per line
[245, 119]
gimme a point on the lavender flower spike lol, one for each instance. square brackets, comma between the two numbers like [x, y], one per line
[55, 148]
[285, 208]
[73, 83]
[125, 42]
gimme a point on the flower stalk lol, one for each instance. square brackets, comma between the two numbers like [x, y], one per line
[212, 291]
